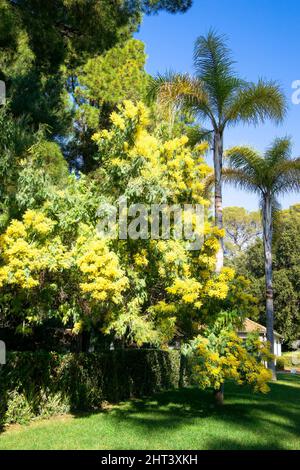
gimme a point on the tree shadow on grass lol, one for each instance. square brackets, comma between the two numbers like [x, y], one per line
[268, 418]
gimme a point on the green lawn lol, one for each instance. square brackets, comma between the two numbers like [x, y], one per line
[182, 419]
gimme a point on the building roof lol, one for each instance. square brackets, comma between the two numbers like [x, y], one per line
[251, 326]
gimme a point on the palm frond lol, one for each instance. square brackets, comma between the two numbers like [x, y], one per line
[212, 57]
[214, 67]
[208, 185]
[180, 91]
[287, 176]
[255, 103]
[248, 161]
[160, 81]
[197, 134]
[238, 179]
[269, 175]
[173, 86]
[279, 151]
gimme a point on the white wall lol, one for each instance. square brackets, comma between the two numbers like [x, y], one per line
[277, 347]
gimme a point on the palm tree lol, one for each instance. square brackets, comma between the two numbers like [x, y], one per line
[273, 174]
[218, 96]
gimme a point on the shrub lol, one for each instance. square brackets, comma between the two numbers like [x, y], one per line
[52, 404]
[18, 409]
[280, 363]
[41, 384]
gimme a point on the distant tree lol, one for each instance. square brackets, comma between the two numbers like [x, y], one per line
[242, 229]
[269, 176]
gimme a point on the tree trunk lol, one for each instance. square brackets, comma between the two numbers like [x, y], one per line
[182, 371]
[268, 235]
[218, 162]
[219, 396]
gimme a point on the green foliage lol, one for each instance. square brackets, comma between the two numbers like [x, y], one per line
[68, 29]
[18, 409]
[31, 166]
[280, 363]
[43, 168]
[43, 43]
[172, 6]
[103, 82]
[41, 384]
[114, 76]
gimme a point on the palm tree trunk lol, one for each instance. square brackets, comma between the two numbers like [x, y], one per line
[268, 234]
[218, 159]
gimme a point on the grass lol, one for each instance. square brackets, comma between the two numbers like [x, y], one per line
[180, 419]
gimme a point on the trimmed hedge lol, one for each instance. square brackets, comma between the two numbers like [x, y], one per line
[41, 383]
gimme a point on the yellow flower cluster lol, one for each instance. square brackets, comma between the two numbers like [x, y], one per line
[117, 120]
[140, 259]
[164, 308]
[203, 147]
[228, 358]
[103, 278]
[189, 290]
[172, 164]
[133, 111]
[29, 248]
[145, 146]
[173, 258]
[25, 251]
[104, 134]
[128, 111]
[184, 170]
[172, 145]
[78, 327]
[164, 317]
[219, 285]
[38, 222]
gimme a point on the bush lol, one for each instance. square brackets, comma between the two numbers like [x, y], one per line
[18, 409]
[41, 384]
[280, 363]
[292, 359]
[52, 404]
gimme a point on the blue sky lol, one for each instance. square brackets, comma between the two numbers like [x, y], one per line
[264, 38]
